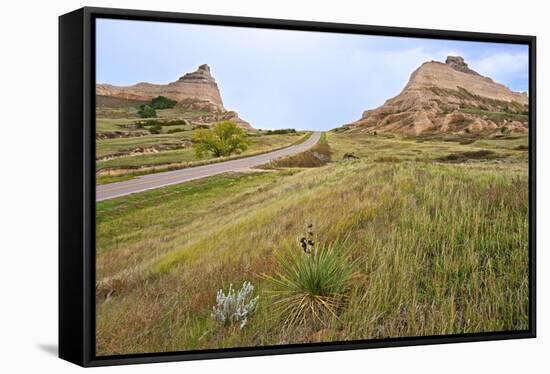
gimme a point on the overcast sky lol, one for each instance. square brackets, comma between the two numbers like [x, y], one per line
[278, 78]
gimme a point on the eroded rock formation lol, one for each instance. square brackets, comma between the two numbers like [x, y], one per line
[448, 97]
[197, 90]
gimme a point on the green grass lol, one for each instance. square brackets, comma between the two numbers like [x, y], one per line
[437, 248]
[105, 179]
[115, 146]
[113, 124]
[129, 166]
[150, 159]
[428, 148]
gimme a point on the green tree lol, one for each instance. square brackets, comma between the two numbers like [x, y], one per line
[223, 139]
[162, 102]
[146, 111]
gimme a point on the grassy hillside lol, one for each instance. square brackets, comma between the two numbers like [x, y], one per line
[435, 246]
[120, 146]
[127, 145]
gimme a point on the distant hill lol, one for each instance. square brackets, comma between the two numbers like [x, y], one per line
[448, 98]
[193, 91]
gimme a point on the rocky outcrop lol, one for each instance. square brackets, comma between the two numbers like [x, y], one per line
[197, 86]
[197, 90]
[448, 97]
[457, 63]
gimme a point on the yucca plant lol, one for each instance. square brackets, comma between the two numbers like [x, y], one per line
[311, 287]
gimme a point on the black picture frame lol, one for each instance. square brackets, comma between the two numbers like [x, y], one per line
[77, 184]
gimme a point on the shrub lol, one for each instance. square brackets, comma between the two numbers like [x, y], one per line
[173, 131]
[146, 111]
[482, 154]
[310, 287]
[223, 139]
[235, 307]
[161, 102]
[175, 122]
[152, 122]
[155, 129]
[280, 131]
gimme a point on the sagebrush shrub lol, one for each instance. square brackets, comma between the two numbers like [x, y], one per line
[235, 307]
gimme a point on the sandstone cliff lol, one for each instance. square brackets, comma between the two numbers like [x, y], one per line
[193, 91]
[448, 97]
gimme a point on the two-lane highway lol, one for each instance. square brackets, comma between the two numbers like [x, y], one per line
[152, 181]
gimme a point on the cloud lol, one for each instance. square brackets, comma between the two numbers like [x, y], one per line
[278, 78]
[386, 72]
[504, 67]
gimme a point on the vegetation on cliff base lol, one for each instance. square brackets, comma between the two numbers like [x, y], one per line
[146, 111]
[162, 102]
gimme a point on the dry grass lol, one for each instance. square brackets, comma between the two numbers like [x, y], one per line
[437, 249]
[316, 156]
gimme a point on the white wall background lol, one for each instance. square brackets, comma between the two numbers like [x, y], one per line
[28, 186]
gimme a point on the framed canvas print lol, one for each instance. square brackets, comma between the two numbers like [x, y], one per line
[236, 186]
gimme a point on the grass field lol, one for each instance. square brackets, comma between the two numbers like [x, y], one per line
[115, 146]
[125, 147]
[435, 235]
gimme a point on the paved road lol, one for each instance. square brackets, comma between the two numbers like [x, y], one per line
[152, 181]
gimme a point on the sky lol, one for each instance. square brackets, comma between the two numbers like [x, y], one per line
[289, 79]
